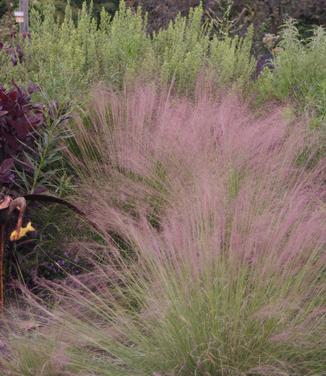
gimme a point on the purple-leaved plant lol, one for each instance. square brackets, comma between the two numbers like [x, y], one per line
[19, 119]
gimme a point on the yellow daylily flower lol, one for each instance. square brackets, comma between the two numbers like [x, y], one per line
[23, 231]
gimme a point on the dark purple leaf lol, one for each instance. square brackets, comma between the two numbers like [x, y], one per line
[33, 88]
[7, 164]
[40, 189]
[19, 118]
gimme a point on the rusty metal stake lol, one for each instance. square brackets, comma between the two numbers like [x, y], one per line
[7, 207]
[2, 251]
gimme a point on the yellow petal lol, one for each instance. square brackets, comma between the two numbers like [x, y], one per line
[29, 227]
[16, 235]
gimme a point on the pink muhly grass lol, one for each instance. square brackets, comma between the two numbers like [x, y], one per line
[215, 240]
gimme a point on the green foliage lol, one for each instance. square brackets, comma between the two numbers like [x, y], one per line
[46, 160]
[182, 49]
[125, 44]
[60, 5]
[66, 58]
[110, 6]
[61, 57]
[232, 61]
[300, 71]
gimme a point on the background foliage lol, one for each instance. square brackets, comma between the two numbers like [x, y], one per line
[110, 5]
[65, 58]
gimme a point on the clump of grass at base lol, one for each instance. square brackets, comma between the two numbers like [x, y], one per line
[232, 280]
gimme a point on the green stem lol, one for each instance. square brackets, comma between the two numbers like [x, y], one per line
[39, 167]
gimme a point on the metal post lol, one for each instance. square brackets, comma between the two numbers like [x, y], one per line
[23, 6]
[2, 251]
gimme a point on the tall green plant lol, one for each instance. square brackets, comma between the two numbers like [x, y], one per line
[231, 60]
[61, 56]
[182, 49]
[124, 44]
[65, 57]
[299, 72]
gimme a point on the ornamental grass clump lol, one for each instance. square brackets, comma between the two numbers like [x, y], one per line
[213, 250]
